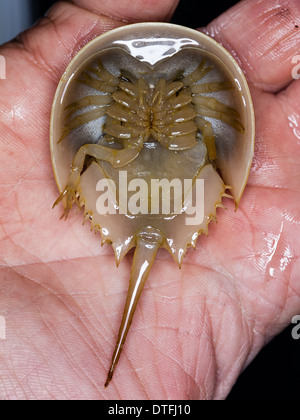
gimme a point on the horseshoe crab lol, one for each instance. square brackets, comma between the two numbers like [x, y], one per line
[152, 125]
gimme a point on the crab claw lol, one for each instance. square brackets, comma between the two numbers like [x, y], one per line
[71, 197]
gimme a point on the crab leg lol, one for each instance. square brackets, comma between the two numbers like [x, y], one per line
[130, 88]
[211, 87]
[177, 143]
[103, 74]
[121, 114]
[163, 118]
[197, 74]
[116, 158]
[180, 101]
[148, 242]
[215, 105]
[208, 136]
[211, 113]
[97, 84]
[82, 119]
[122, 131]
[172, 88]
[88, 101]
[178, 129]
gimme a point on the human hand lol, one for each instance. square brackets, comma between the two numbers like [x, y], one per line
[61, 294]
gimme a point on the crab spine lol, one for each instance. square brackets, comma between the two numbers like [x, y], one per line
[147, 244]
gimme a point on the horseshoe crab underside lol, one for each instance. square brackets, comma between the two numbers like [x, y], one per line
[152, 125]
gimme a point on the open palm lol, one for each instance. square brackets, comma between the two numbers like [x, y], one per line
[61, 295]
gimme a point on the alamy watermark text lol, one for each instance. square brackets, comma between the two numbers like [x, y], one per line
[2, 67]
[2, 328]
[296, 68]
[157, 196]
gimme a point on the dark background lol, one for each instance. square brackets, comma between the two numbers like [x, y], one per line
[275, 373]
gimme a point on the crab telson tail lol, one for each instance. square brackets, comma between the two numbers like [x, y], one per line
[148, 242]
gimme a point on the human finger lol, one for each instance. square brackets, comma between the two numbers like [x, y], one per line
[132, 10]
[264, 36]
